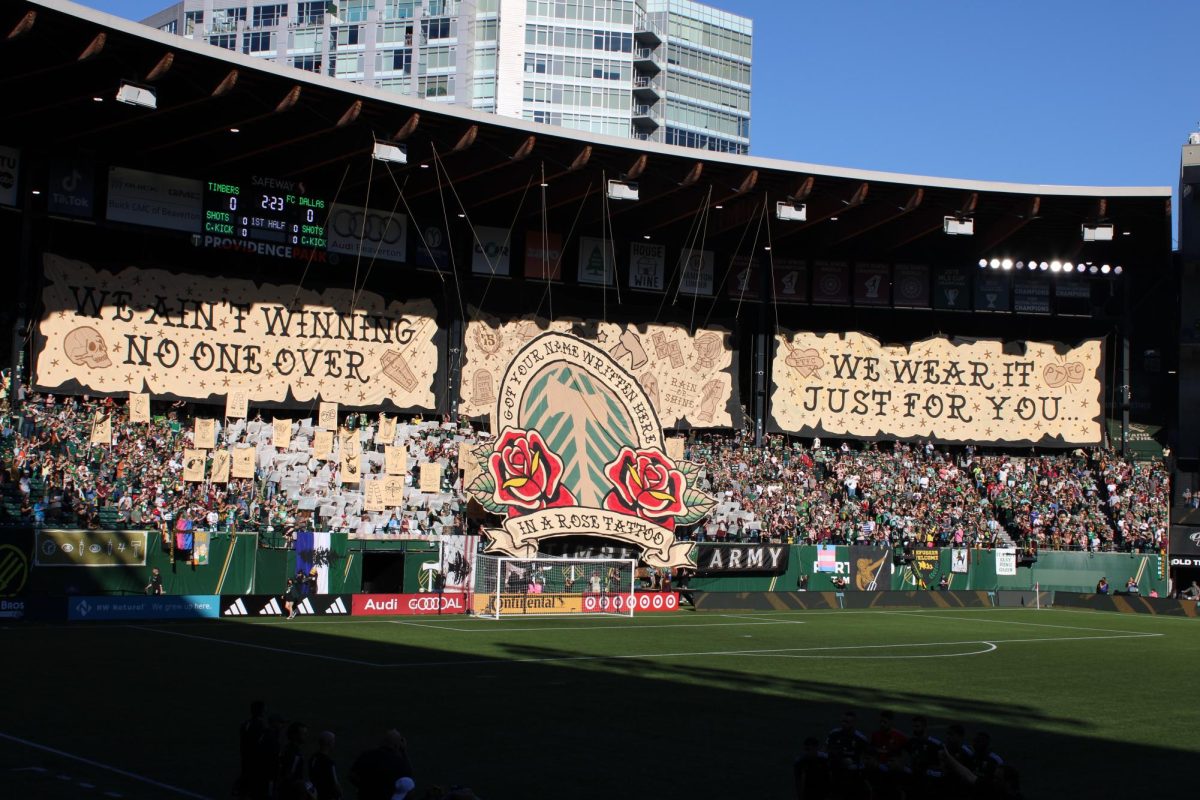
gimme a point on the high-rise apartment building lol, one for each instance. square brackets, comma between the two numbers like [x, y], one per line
[671, 71]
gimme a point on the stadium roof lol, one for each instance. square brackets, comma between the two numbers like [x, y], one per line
[57, 57]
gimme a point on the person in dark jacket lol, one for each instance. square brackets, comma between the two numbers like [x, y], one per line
[376, 771]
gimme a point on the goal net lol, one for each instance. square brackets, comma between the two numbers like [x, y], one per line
[548, 586]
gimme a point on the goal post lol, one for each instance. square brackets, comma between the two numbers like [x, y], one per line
[546, 586]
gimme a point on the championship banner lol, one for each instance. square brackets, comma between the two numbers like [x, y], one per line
[204, 435]
[944, 389]
[139, 407]
[194, 336]
[243, 462]
[726, 559]
[193, 465]
[395, 460]
[580, 453]
[870, 568]
[831, 283]
[790, 279]
[430, 481]
[281, 433]
[743, 279]
[90, 549]
[911, 286]
[688, 378]
[543, 258]
[490, 250]
[597, 261]
[872, 285]
[101, 429]
[699, 272]
[220, 466]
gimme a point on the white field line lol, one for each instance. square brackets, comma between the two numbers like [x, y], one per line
[774, 651]
[1013, 622]
[498, 626]
[99, 765]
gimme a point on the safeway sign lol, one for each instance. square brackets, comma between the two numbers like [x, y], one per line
[392, 605]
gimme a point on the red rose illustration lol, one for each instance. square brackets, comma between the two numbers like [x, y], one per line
[645, 483]
[527, 473]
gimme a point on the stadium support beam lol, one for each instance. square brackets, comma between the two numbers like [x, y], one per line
[874, 217]
[408, 128]
[693, 175]
[748, 182]
[95, 47]
[524, 150]
[23, 26]
[930, 222]
[1018, 217]
[636, 169]
[289, 100]
[581, 160]
[226, 85]
[350, 115]
[161, 68]
[466, 140]
[689, 180]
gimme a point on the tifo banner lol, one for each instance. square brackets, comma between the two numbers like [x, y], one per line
[688, 378]
[580, 453]
[960, 560]
[716, 559]
[185, 606]
[193, 336]
[387, 605]
[871, 568]
[313, 556]
[949, 390]
[90, 549]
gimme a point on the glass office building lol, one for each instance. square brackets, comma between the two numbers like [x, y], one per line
[669, 71]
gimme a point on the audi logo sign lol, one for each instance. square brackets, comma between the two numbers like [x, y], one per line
[374, 234]
[391, 605]
[643, 602]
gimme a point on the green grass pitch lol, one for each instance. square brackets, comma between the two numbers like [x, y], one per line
[682, 705]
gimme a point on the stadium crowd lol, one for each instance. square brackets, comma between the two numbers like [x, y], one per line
[849, 764]
[789, 490]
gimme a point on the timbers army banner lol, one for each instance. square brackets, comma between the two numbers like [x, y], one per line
[945, 389]
[194, 336]
[690, 379]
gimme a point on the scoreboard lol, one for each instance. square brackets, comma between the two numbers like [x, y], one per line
[265, 210]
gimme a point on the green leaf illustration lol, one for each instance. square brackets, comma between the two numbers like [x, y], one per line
[481, 490]
[698, 505]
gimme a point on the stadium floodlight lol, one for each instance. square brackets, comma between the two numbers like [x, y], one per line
[791, 212]
[391, 153]
[1105, 269]
[622, 190]
[1093, 269]
[994, 263]
[1080, 267]
[1043, 266]
[958, 226]
[1099, 232]
[1006, 264]
[133, 95]
[1056, 266]
[1117, 270]
[982, 263]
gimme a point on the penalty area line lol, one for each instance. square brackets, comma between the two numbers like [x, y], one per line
[99, 765]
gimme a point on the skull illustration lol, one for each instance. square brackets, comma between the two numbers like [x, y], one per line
[85, 347]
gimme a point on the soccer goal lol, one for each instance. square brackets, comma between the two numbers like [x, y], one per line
[549, 586]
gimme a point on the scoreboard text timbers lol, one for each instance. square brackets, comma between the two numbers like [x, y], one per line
[267, 216]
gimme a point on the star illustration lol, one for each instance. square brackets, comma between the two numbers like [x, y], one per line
[128, 379]
[54, 363]
[203, 384]
[224, 322]
[116, 348]
[320, 382]
[362, 396]
[225, 381]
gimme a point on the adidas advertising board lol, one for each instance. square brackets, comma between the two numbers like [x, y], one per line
[379, 605]
[271, 605]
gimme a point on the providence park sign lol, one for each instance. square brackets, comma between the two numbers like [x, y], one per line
[580, 453]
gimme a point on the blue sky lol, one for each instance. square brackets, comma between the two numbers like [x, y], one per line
[1038, 91]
